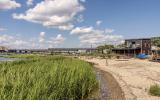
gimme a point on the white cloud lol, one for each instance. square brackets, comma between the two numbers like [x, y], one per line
[4, 38]
[80, 18]
[17, 42]
[53, 13]
[29, 2]
[99, 22]
[109, 30]
[9, 4]
[66, 27]
[12, 41]
[89, 35]
[83, 0]
[42, 34]
[82, 30]
[3, 29]
[42, 37]
[54, 41]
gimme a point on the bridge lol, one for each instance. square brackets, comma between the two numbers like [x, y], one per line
[52, 50]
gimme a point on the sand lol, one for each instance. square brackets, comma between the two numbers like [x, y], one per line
[134, 76]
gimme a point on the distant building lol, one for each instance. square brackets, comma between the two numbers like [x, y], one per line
[134, 47]
[27, 51]
[72, 50]
[3, 49]
[53, 50]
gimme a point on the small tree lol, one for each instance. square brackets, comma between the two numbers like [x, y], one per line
[105, 47]
[156, 41]
[121, 45]
[100, 49]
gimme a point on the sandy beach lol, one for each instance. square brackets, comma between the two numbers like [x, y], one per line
[133, 75]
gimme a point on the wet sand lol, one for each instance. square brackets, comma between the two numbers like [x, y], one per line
[108, 88]
[114, 91]
[134, 76]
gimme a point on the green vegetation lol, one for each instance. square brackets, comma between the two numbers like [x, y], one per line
[108, 48]
[155, 90]
[156, 41]
[46, 78]
[26, 56]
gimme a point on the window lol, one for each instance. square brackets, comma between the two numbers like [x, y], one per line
[133, 42]
[145, 44]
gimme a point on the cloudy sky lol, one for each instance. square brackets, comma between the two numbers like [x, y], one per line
[76, 23]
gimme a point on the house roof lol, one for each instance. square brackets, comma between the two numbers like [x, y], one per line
[138, 39]
[126, 48]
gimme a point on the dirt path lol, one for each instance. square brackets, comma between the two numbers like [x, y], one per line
[134, 76]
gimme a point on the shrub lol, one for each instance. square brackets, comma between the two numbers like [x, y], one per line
[155, 90]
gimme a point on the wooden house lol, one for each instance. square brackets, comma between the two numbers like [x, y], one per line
[134, 47]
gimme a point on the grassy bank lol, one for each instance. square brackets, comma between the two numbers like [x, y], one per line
[46, 78]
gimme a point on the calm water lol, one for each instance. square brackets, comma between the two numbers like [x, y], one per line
[102, 93]
[7, 59]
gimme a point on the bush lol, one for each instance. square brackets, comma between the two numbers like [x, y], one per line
[155, 90]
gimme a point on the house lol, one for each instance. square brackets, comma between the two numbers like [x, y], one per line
[134, 47]
[3, 49]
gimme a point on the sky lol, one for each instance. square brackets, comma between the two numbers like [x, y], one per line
[76, 23]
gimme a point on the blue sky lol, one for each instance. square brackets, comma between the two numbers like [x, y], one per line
[86, 22]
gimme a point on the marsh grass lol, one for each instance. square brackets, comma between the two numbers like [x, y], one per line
[46, 78]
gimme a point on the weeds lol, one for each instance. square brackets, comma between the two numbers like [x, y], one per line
[155, 90]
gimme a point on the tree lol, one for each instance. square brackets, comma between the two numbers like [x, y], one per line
[101, 48]
[121, 45]
[156, 41]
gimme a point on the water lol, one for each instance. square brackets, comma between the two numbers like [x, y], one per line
[109, 88]
[7, 59]
[102, 92]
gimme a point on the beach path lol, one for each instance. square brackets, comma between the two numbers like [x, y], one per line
[133, 75]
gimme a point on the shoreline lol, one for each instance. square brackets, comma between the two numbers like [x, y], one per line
[114, 91]
[134, 76]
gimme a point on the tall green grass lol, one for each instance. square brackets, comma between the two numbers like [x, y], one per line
[46, 78]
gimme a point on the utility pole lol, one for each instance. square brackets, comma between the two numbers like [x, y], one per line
[91, 46]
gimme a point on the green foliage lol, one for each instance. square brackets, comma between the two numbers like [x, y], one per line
[156, 41]
[46, 78]
[20, 56]
[155, 90]
[105, 47]
[121, 45]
